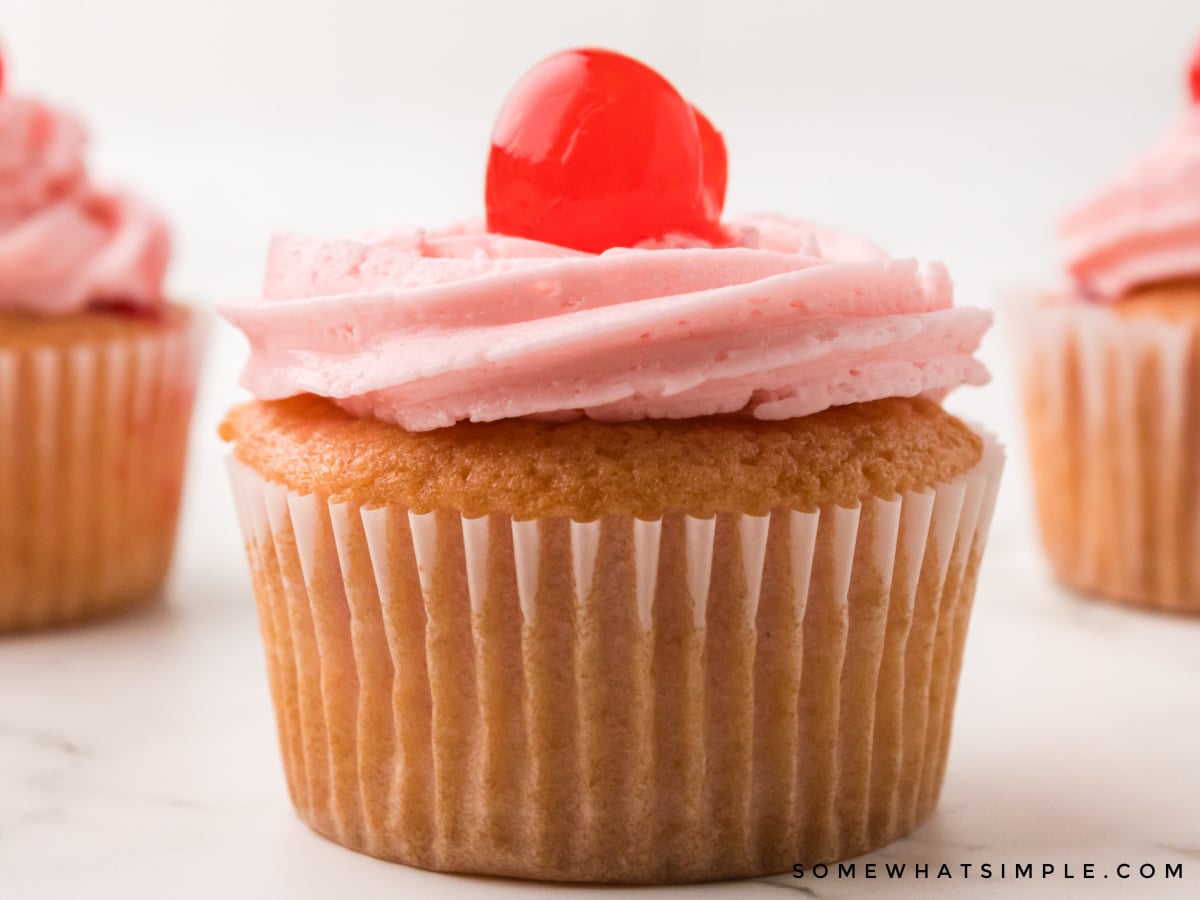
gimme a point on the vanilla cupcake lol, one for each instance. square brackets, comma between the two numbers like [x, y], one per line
[97, 375]
[1112, 384]
[650, 565]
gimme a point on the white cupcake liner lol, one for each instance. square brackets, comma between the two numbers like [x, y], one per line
[619, 700]
[1113, 419]
[92, 443]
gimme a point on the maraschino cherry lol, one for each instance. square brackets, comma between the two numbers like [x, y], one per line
[1194, 75]
[594, 150]
[714, 166]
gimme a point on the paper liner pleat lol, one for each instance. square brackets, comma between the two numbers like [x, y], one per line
[92, 443]
[617, 700]
[1113, 421]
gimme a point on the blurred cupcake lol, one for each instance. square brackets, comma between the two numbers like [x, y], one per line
[1112, 384]
[651, 565]
[97, 375]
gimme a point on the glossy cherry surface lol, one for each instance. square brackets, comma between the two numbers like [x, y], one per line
[1194, 75]
[594, 150]
[714, 166]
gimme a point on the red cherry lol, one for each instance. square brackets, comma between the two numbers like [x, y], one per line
[1194, 75]
[714, 166]
[593, 150]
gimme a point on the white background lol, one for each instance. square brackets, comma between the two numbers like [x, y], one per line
[137, 759]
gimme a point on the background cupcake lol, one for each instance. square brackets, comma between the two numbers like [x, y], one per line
[1112, 384]
[97, 376]
[653, 565]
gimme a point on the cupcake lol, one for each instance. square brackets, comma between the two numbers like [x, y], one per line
[1112, 384]
[610, 541]
[97, 375]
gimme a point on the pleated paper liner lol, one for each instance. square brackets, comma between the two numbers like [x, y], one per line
[620, 700]
[92, 443]
[1113, 419]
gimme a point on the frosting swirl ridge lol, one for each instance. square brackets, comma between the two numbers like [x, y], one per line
[426, 329]
[64, 244]
[1145, 226]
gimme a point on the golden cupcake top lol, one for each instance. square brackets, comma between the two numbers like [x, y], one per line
[584, 469]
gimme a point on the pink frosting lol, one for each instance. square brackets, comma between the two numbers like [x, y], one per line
[1145, 226]
[428, 329]
[64, 244]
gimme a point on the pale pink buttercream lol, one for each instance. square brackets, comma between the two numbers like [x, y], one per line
[64, 244]
[1145, 226]
[428, 329]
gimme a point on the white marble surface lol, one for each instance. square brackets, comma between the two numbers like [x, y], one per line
[138, 757]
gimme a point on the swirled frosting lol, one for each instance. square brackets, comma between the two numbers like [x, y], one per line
[428, 329]
[1145, 226]
[64, 244]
